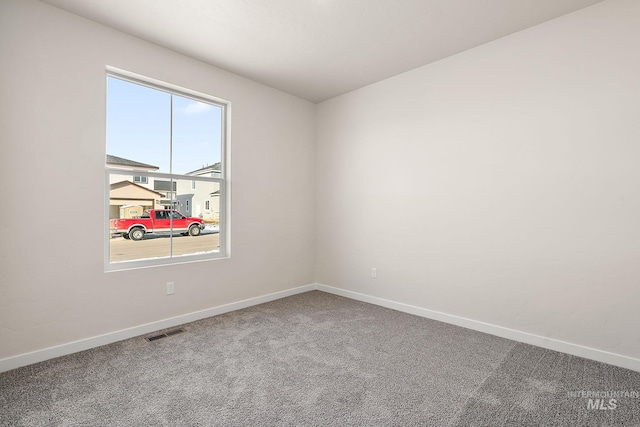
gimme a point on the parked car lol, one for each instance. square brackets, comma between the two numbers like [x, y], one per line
[157, 221]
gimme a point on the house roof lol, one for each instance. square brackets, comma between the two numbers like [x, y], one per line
[120, 161]
[121, 184]
[205, 169]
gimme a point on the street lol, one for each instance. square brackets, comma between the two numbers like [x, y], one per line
[155, 246]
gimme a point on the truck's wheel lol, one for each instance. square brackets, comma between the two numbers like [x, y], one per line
[194, 230]
[136, 234]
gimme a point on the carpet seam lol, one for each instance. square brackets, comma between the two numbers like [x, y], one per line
[456, 417]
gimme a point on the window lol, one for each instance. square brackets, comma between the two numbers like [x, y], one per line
[163, 137]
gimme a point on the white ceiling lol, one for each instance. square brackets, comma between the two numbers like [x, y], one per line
[318, 49]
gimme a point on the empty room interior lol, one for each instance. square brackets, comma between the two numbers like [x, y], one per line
[417, 212]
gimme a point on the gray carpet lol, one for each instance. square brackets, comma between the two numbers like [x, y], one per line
[315, 359]
[538, 387]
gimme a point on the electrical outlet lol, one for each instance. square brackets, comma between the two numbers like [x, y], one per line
[170, 288]
[374, 272]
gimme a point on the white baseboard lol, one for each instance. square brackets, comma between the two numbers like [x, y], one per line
[512, 334]
[85, 344]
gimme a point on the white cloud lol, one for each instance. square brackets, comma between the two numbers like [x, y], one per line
[196, 108]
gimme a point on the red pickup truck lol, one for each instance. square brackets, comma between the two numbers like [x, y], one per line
[157, 221]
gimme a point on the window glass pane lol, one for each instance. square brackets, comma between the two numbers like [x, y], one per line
[197, 135]
[138, 126]
[144, 224]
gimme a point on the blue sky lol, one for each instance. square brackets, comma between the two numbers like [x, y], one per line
[139, 128]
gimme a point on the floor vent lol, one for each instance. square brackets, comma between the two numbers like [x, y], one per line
[166, 334]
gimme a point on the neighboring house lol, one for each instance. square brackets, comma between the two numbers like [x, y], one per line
[200, 198]
[120, 162]
[126, 194]
[133, 171]
[135, 188]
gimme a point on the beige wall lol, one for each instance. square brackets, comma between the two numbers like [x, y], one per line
[53, 289]
[500, 185]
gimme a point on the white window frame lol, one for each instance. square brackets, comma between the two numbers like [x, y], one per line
[223, 179]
